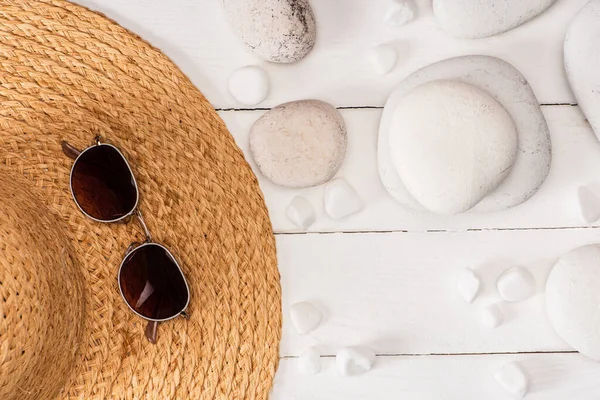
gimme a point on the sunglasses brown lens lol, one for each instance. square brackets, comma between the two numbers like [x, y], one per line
[103, 184]
[152, 283]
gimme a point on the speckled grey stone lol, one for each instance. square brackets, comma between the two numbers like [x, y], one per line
[281, 31]
[299, 144]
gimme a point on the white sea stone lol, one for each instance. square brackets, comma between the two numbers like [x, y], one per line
[280, 31]
[384, 58]
[482, 18]
[492, 316]
[516, 284]
[299, 144]
[582, 61]
[573, 299]
[589, 205]
[510, 89]
[452, 144]
[512, 378]
[309, 362]
[249, 85]
[400, 13]
[468, 285]
[305, 317]
[301, 213]
[341, 200]
[354, 360]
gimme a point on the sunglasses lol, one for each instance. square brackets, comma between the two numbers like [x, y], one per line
[105, 190]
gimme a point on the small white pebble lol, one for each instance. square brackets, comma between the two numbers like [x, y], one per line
[492, 316]
[249, 85]
[400, 13]
[309, 362]
[341, 200]
[589, 205]
[516, 284]
[301, 213]
[305, 317]
[384, 58]
[354, 360]
[468, 285]
[512, 378]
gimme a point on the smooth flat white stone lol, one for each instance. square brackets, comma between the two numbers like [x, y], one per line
[516, 284]
[354, 360]
[582, 61]
[589, 205]
[400, 13]
[301, 213]
[341, 200]
[512, 378]
[280, 31]
[299, 144]
[305, 317]
[452, 143]
[249, 85]
[482, 18]
[309, 362]
[509, 88]
[468, 285]
[383, 58]
[573, 299]
[492, 316]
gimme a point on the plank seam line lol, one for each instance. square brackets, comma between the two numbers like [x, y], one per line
[230, 109]
[506, 353]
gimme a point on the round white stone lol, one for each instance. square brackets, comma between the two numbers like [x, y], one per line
[516, 284]
[299, 144]
[309, 362]
[573, 299]
[452, 144]
[280, 31]
[249, 85]
[384, 58]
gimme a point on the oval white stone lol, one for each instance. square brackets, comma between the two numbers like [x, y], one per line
[451, 143]
[573, 299]
[249, 85]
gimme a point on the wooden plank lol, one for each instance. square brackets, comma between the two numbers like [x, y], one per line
[396, 292]
[552, 377]
[196, 35]
[576, 161]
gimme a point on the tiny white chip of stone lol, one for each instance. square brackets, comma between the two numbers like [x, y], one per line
[301, 213]
[384, 58]
[400, 13]
[341, 200]
[249, 85]
[309, 362]
[516, 284]
[354, 360]
[512, 378]
[468, 285]
[589, 205]
[305, 317]
[492, 316]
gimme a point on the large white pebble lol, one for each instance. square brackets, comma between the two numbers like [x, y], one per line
[452, 144]
[516, 284]
[301, 213]
[249, 85]
[492, 316]
[573, 299]
[400, 13]
[589, 205]
[299, 144]
[305, 317]
[341, 200]
[383, 58]
[512, 378]
[309, 362]
[468, 285]
[354, 360]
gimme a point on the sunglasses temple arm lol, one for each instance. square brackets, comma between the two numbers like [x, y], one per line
[152, 331]
[69, 150]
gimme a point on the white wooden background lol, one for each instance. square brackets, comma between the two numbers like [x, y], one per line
[386, 277]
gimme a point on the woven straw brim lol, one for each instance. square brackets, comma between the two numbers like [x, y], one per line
[67, 73]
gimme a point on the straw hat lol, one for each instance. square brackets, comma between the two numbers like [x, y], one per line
[67, 73]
